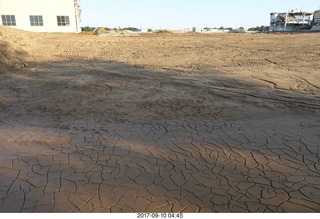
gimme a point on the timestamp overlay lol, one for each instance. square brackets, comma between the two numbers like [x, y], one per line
[161, 215]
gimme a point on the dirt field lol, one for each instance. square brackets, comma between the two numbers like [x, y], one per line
[159, 122]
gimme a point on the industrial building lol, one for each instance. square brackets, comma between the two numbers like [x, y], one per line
[295, 21]
[41, 15]
[316, 21]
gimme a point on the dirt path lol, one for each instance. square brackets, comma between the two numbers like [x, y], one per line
[190, 123]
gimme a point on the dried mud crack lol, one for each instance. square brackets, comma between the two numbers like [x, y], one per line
[159, 123]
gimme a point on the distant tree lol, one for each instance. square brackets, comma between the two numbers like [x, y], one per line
[134, 29]
[265, 28]
[226, 28]
[87, 29]
[260, 28]
[150, 30]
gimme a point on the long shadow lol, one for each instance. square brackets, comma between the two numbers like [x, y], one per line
[131, 92]
[111, 137]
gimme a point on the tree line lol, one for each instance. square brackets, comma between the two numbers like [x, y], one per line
[134, 29]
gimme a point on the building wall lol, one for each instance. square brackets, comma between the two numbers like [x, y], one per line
[316, 21]
[49, 9]
[296, 21]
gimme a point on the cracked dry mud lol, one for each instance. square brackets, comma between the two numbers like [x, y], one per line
[83, 135]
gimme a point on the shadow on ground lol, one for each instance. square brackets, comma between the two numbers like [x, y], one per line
[95, 136]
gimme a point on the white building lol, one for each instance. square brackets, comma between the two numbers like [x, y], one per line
[316, 21]
[290, 21]
[41, 15]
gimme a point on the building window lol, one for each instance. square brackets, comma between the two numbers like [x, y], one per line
[63, 20]
[8, 20]
[36, 20]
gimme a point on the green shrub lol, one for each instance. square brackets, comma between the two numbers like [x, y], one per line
[87, 29]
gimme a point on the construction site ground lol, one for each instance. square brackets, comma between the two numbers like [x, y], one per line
[159, 122]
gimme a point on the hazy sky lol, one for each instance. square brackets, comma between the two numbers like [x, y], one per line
[180, 14]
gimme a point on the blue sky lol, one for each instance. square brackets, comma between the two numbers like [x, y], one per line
[180, 14]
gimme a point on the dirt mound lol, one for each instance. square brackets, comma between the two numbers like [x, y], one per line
[12, 47]
[18, 37]
[100, 31]
[8, 56]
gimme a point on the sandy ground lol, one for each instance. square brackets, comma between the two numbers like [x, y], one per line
[159, 122]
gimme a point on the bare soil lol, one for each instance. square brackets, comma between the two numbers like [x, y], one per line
[67, 84]
[165, 76]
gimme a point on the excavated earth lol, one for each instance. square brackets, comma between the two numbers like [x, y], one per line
[159, 122]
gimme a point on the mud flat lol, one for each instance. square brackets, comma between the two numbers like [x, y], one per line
[159, 123]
